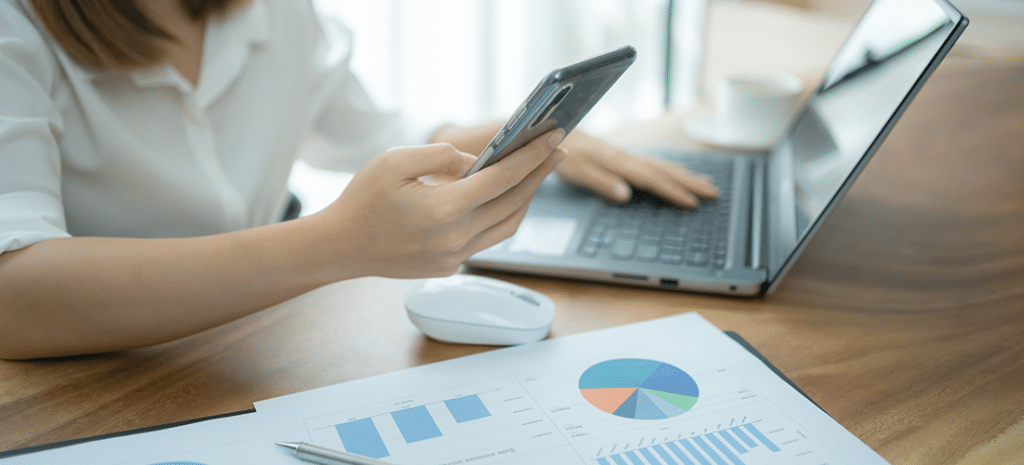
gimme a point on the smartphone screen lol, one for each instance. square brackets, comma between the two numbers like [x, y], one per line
[561, 100]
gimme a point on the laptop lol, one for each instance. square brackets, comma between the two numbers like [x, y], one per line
[770, 206]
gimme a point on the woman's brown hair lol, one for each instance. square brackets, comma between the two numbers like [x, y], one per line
[113, 34]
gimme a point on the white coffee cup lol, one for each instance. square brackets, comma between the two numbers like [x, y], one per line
[753, 109]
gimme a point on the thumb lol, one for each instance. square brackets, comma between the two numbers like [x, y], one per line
[440, 161]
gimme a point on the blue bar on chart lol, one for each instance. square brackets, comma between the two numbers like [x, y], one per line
[694, 452]
[603, 461]
[743, 437]
[725, 450]
[416, 424]
[708, 450]
[761, 437]
[619, 460]
[732, 441]
[646, 452]
[361, 437]
[664, 454]
[633, 458]
[467, 408]
[680, 454]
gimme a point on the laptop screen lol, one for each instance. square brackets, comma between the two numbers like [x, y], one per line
[869, 83]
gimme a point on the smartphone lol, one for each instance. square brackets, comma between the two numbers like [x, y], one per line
[561, 100]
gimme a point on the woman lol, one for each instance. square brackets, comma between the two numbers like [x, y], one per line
[144, 151]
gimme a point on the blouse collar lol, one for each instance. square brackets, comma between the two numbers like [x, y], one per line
[226, 48]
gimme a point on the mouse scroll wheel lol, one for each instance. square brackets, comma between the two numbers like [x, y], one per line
[528, 298]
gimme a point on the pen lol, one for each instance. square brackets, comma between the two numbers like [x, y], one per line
[325, 456]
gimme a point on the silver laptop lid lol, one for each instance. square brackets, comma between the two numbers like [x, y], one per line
[885, 61]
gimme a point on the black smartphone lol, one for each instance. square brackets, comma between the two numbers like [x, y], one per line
[561, 100]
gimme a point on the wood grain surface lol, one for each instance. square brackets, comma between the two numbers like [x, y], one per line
[904, 318]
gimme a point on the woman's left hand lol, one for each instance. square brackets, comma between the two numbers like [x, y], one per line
[613, 172]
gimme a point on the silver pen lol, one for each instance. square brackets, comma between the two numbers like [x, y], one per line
[324, 456]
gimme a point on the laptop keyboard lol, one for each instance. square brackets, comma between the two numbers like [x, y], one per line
[648, 229]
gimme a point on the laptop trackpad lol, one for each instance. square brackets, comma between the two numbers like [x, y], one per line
[557, 213]
[543, 235]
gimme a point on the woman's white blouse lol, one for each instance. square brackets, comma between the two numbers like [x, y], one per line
[90, 153]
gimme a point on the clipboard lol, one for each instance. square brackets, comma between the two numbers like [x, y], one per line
[72, 442]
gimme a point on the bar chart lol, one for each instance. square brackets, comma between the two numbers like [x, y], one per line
[720, 447]
[683, 407]
[415, 424]
[489, 418]
[680, 402]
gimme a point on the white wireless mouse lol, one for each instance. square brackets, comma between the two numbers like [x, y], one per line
[471, 309]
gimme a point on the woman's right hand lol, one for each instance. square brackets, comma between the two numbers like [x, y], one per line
[392, 221]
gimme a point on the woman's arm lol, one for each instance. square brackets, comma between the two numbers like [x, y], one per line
[91, 294]
[87, 294]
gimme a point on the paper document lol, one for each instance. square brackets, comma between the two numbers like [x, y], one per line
[230, 440]
[674, 390]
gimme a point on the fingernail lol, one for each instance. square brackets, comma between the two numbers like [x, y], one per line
[622, 192]
[556, 137]
[710, 183]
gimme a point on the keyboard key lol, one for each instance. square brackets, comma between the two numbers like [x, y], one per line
[697, 259]
[650, 229]
[670, 259]
[623, 249]
[647, 253]
[607, 238]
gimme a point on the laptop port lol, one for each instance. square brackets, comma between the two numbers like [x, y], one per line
[669, 282]
[635, 277]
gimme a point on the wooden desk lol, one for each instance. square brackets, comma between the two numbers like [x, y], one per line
[904, 319]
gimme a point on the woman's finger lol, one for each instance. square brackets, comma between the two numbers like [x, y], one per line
[437, 159]
[519, 196]
[508, 172]
[671, 181]
[700, 184]
[605, 183]
[497, 232]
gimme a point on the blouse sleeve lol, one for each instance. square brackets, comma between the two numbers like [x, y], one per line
[30, 125]
[347, 117]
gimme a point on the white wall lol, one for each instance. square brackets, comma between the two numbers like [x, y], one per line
[468, 60]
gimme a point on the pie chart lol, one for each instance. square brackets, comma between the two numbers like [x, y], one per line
[639, 389]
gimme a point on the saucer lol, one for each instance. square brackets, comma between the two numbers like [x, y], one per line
[707, 130]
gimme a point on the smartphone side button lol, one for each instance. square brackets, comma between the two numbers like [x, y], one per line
[515, 117]
[497, 139]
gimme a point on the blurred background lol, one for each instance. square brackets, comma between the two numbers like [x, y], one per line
[472, 61]
[465, 61]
